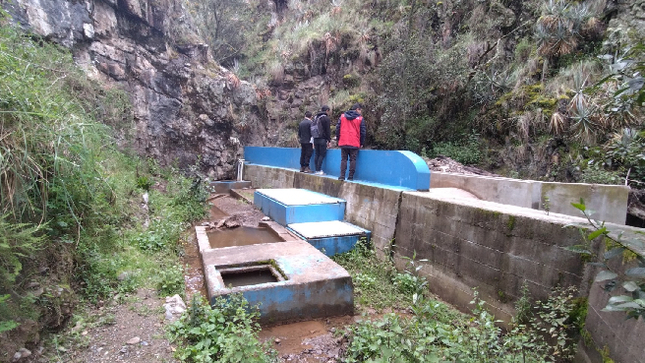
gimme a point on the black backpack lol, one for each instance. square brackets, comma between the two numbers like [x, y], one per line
[316, 133]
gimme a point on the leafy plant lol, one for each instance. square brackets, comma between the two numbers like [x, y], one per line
[171, 281]
[613, 273]
[225, 332]
[561, 321]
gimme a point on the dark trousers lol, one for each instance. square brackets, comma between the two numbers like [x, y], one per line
[305, 155]
[320, 146]
[344, 154]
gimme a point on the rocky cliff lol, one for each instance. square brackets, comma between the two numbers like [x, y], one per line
[186, 108]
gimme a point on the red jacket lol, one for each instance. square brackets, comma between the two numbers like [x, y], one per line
[351, 131]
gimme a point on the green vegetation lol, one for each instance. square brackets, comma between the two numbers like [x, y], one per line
[621, 265]
[224, 332]
[71, 219]
[533, 77]
[431, 331]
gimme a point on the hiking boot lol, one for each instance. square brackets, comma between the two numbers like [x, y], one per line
[341, 178]
[320, 172]
[350, 178]
[307, 170]
[302, 170]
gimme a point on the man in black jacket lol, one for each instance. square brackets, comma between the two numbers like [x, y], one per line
[323, 141]
[304, 136]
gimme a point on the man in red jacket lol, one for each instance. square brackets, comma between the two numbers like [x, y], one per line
[351, 136]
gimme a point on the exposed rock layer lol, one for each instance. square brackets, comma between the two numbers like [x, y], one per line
[186, 107]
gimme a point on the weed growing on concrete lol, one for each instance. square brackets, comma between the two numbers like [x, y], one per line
[225, 332]
[622, 265]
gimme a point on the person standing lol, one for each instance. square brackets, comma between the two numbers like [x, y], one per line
[306, 148]
[322, 138]
[351, 137]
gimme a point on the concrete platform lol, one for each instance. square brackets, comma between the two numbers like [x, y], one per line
[330, 237]
[306, 284]
[287, 206]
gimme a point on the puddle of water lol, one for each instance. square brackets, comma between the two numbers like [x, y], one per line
[241, 236]
[245, 278]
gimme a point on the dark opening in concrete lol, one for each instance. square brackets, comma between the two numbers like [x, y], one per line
[242, 236]
[234, 276]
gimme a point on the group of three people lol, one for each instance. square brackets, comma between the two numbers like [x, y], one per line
[315, 136]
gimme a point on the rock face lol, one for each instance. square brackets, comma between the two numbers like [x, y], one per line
[186, 107]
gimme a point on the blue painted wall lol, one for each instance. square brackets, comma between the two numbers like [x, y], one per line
[287, 214]
[390, 167]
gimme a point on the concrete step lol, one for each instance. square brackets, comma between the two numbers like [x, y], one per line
[287, 206]
[330, 237]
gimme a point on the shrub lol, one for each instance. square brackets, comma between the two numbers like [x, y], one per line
[171, 281]
[225, 332]
[467, 152]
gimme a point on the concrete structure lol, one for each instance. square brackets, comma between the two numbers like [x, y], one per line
[330, 237]
[287, 206]
[225, 186]
[473, 243]
[315, 217]
[405, 169]
[302, 282]
[608, 201]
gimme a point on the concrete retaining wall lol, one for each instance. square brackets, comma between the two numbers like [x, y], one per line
[494, 247]
[608, 201]
[473, 243]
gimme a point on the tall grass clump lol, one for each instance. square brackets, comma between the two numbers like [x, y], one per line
[69, 200]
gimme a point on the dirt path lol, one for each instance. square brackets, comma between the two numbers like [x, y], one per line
[132, 331]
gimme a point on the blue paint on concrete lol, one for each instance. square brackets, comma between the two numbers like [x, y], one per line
[395, 168]
[334, 245]
[286, 214]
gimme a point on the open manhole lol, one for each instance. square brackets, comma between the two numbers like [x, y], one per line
[234, 276]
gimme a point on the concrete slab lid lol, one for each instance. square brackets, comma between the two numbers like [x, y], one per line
[293, 196]
[325, 229]
[299, 261]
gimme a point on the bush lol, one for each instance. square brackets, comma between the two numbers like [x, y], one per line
[467, 152]
[171, 281]
[225, 332]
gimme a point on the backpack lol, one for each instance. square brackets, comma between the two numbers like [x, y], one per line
[316, 132]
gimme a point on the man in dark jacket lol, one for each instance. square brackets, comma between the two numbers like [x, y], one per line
[322, 142]
[304, 136]
[351, 137]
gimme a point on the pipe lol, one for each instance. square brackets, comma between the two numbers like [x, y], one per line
[240, 169]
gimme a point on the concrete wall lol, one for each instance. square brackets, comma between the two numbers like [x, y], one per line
[405, 169]
[608, 201]
[474, 243]
[495, 247]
